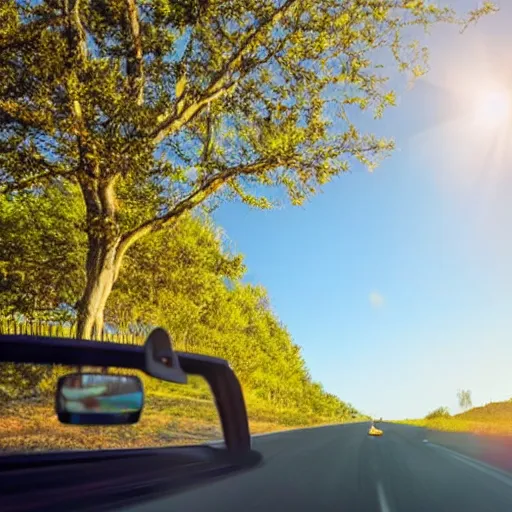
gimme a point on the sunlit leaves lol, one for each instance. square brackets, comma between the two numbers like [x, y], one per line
[474, 15]
[277, 59]
[159, 107]
[42, 251]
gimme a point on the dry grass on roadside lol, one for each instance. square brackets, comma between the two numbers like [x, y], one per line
[33, 426]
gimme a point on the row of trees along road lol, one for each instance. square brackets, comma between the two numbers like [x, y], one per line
[154, 107]
[189, 283]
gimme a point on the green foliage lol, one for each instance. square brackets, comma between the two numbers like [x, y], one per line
[185, 280]
[486, 7]
[173, 277]
[21, 381]
[42, 250]
[440, 412]
[155, 107]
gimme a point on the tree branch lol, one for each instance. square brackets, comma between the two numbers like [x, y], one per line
[173, 121]
[22, 114]
[77, 48]
[208, 187]
[28, 182]
[107, 197]
[208, 140]
[176, 122]
[76, 36]
[135, 62]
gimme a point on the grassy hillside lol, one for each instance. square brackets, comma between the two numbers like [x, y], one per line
[493, 418]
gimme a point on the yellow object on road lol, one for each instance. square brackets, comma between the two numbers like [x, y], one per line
[374, 431]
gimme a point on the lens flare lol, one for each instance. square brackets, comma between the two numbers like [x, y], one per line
[492, 107]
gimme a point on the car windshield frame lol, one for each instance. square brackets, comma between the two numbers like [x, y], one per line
[222, 380]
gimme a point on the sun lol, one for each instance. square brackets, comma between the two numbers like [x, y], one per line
[492, 107]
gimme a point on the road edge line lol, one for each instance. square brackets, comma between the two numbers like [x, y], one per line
[501, 475]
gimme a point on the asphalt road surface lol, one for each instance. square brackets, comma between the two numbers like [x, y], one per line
[341, 468]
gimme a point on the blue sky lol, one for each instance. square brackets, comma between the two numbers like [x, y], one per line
[398, 284]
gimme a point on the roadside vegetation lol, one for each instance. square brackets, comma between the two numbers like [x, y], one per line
[493, 418]
[440, 412]
[172, 415]
[189, 281]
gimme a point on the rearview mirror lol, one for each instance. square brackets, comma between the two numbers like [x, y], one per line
[99, 399]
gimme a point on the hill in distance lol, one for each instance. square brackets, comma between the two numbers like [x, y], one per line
[494, 418]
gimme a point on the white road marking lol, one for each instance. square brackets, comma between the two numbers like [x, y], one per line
[383, 502]
[491, 471]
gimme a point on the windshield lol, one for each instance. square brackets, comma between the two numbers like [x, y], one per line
[316, 192]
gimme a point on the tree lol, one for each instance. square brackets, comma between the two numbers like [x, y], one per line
[154, 107]
[464, 398]
[41, 264]
[189, 283]
[173, 281]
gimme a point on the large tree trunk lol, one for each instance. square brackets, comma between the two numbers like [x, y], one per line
[107, 248]
[101, 274]
[103, 254]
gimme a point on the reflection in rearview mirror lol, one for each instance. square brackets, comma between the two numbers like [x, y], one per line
[98, 399]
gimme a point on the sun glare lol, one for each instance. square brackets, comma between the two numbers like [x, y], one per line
[492, 107]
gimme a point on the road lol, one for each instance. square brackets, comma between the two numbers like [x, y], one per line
[341, 468]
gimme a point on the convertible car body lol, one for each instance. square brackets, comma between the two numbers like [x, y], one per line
[105, 479]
